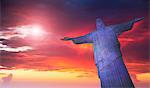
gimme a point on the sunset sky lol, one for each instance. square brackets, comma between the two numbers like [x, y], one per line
[31, 49]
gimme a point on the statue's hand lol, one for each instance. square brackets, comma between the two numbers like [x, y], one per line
[138, 19]
[66, 38]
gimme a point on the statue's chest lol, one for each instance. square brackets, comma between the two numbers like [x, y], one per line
[104, 37]
[106, 47]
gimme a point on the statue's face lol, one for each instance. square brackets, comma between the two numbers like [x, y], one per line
[100, 24]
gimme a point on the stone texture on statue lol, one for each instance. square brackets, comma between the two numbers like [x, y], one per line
[107, 54]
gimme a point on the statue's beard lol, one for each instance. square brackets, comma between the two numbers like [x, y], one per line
[100, 26]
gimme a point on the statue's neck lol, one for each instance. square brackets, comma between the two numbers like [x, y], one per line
[101, 28]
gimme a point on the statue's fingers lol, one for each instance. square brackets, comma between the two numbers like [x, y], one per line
[62, 39]
[66, 39]
[139, 19]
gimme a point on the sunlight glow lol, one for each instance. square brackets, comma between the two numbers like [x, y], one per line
[31, 30]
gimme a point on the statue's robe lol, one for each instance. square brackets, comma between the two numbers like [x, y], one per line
[107, 55]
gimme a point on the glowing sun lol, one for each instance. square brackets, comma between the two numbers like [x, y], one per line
[31, 30]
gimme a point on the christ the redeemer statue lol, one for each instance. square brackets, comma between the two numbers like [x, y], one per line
[108, 58]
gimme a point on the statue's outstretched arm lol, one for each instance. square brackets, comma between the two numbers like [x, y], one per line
[119, 28]
[80, 40]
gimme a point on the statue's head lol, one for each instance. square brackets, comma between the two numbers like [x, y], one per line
[99, 24]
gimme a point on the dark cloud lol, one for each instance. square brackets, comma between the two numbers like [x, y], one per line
[66, 15]
[137, 51]
[10, 62]
[10, 59]
[15, 42]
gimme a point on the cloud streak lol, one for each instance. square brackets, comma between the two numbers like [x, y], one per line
[8, 35]
[18, 49]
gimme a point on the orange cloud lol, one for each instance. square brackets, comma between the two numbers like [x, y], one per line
[144, 77]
